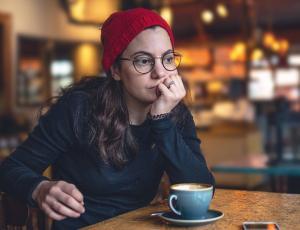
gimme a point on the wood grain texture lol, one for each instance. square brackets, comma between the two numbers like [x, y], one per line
[237, 206]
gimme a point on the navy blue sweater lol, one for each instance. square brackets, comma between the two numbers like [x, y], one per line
[108, 192]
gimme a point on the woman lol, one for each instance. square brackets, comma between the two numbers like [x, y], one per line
[110, 140]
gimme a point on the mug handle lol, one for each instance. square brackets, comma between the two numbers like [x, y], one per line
[171, 204]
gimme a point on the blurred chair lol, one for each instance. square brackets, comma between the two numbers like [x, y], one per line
[283, 133]
[231, 141]
[15, 215]
[282, 141]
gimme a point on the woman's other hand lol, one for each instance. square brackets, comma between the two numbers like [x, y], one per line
[170, 91]
[59, 199]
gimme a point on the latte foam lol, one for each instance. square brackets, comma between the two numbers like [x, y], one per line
[191, 187]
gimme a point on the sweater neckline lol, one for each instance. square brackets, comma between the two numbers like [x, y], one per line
[143, 124]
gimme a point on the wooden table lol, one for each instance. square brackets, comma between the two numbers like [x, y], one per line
[237, 206]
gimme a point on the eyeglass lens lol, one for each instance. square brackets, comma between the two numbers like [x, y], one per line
[144, 63]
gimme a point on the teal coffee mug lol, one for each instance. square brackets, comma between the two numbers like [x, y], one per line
[190, 200]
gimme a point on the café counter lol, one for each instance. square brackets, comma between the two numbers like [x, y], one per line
[237, 206]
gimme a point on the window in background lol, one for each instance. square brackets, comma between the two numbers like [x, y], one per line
[287, 82]
[62, 75]
[294, 59]
[287, 77]
[261, 85]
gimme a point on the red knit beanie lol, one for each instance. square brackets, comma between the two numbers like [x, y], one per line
[122, 27]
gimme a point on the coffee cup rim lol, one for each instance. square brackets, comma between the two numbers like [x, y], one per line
[207, 186]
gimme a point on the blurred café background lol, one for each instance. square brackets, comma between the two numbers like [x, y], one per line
[241, 60]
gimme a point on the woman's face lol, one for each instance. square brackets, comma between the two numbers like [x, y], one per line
[142, 88]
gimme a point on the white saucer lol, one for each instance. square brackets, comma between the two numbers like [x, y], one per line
[210, 216]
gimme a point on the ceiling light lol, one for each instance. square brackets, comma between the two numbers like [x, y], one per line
[222, 10]
[268, 39]
[92, 11]
[283, 45]
[207, 16]
[275, 46]
[257, 54]
[166, 14]
[238, 53]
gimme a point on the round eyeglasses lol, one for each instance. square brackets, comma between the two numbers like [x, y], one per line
[144, 63]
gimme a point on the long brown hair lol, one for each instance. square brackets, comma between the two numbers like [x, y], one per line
[108, 123]
[108, 118]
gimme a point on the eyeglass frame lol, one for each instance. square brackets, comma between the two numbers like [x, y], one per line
[160, 57]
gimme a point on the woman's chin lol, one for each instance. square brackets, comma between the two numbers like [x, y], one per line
[153, 95]
[151, 99]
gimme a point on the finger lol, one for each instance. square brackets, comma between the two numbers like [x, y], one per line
[69, 195]
[51, 213]
[180, 81]
[175, 86]
[72, 203]
[171, 84]
[176, 79]
[168, 80]
[164, 89]
[62, 209]
[176, 94]
[72, 191]
[180, 89]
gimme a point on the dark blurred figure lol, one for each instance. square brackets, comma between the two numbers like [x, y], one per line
[13, 130]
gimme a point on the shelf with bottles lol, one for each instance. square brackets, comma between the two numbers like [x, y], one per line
[215, 101]
[212, 61]
[45, 66]
[210, 92]
[266, 84]
[31, 71]
[209, 70]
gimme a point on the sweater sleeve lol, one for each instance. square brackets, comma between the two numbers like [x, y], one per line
[54, 134]
[181, 150]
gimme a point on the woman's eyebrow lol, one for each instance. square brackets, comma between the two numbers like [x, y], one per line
[140, 52]
[147, 53]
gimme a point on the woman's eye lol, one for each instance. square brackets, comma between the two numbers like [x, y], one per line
[169, 59]
[143, 61]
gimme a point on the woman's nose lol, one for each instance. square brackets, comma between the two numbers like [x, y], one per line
[159, 70]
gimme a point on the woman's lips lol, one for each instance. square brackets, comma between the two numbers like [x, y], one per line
[157, 92]
[152, 87]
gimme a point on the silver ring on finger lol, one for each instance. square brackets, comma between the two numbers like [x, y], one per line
[170, 84]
